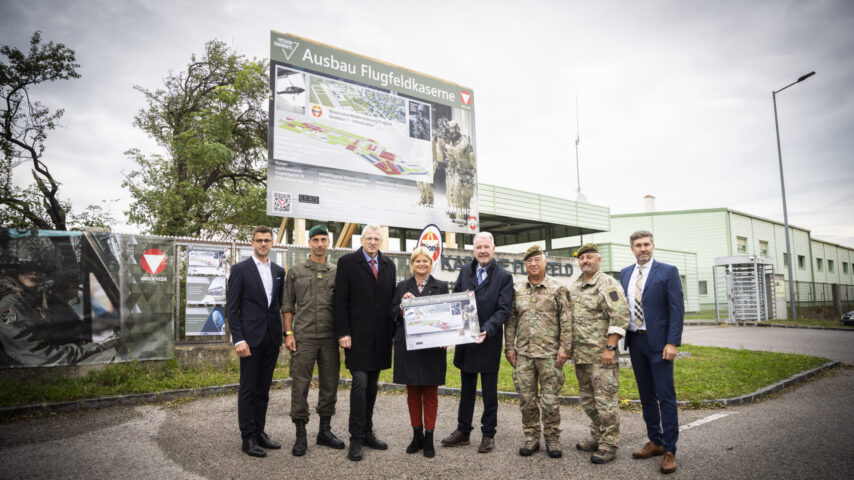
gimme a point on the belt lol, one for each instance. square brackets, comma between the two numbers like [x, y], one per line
[639, 332]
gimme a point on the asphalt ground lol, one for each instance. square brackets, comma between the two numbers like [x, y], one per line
[832, 344]
[804, 432]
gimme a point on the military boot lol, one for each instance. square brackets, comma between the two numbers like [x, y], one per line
[300, 445]
[603, 456]
[417, 440]
[325, 435]
[429, 451]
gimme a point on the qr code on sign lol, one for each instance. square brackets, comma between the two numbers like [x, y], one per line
[281, 202]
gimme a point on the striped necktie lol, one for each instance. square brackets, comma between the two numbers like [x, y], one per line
[638, 295]
[374, 267]
[480, 272]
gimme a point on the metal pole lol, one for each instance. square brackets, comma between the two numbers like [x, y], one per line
[785, 213]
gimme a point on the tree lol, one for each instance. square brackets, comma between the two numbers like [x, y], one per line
[211, 121]
[25, 126]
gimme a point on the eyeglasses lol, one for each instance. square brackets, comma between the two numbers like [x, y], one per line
[371, 239]
[263, 240]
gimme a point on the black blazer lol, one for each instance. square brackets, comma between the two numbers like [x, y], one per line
[249, 317]
[494, 299]
[418, 367]
[361, 308]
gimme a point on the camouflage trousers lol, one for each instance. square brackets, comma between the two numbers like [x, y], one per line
[599, 386]
[530, 376]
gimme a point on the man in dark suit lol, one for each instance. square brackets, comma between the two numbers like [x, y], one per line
[253, 300]
[493, 290]
[364, 289]
[654, 292]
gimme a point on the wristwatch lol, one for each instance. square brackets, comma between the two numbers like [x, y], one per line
[610, 348]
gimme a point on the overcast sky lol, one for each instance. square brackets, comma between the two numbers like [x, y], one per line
[674, 96]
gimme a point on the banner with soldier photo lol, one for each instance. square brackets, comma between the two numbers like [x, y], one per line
[76, 298]
[355, 139]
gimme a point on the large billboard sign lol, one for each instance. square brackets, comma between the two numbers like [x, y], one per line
[354, 139]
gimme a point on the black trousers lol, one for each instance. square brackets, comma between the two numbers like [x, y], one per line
[468, 393]
[256, 375]
[363, 396]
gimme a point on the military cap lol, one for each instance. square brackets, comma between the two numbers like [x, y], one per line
[318, 230]
[532, 251]
[586, 248]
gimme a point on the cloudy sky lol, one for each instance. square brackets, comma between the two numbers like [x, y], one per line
[674, 96]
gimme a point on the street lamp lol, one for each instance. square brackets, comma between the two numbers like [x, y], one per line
[783, 188]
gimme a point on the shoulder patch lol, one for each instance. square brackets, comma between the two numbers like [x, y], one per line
[613, 295]
[8, 316]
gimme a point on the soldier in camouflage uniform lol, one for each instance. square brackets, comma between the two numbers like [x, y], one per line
[310, 336]
[460, 173]
[440, 136]
[600, 317]
[538, 340]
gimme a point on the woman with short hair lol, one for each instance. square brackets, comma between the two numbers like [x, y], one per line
[422, 371]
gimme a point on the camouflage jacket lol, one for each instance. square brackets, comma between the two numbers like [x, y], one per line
[599, 308]
[308, 295]
[540, 322]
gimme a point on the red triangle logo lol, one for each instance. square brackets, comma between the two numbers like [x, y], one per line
[465, 97]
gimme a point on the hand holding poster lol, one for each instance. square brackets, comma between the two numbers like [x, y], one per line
[440, 320]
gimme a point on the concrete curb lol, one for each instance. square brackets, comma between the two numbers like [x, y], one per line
[159, 397]
[759, 324]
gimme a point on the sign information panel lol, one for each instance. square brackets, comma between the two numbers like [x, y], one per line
[354, 139]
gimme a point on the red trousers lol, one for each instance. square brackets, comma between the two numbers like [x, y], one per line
[426, 398]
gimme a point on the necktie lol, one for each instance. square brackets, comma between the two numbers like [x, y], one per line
[480, 272]
[638, 295]
[374, 267]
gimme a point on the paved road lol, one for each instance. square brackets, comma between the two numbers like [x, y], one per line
[832, 344]
[806, 432]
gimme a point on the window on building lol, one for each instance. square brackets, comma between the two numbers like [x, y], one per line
[845, 267]
[830, 266]
[802, 262]
[819, 264]
[704, 287]
[785, 259]
[763, 248]
[741, 242]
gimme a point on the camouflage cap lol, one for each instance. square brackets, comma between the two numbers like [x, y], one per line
[532, 251]
[318, 230]
[586, 248]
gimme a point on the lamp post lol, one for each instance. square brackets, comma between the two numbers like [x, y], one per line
[783, 188]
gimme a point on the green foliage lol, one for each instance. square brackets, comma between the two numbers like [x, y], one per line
[24, 126]
[211, 122]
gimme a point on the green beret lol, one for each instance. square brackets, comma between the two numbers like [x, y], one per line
[586, 248]
[532, 251]
[318, 230]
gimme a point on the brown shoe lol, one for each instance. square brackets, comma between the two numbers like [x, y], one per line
[455, 439]
[486, 445]
[649, 450]
[668, 463]
[603, 456]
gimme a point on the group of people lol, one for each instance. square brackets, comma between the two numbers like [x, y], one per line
[319, 307]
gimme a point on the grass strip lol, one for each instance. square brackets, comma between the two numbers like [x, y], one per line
[708, 373]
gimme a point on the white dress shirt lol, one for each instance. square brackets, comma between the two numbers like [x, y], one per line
[266, 272]
[630, 294]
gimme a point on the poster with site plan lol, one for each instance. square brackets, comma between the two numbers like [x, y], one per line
[440, 320]
[354, 139]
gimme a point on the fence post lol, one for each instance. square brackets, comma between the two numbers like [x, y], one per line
[837, 299]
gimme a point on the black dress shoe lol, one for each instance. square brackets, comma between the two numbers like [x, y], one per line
[265, 441]
[251, 448]
[355, 453]
[371, 441]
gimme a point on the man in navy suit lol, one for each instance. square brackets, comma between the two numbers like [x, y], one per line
[364, 290]
[654, 292]
[253, 299]
[493, 291]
